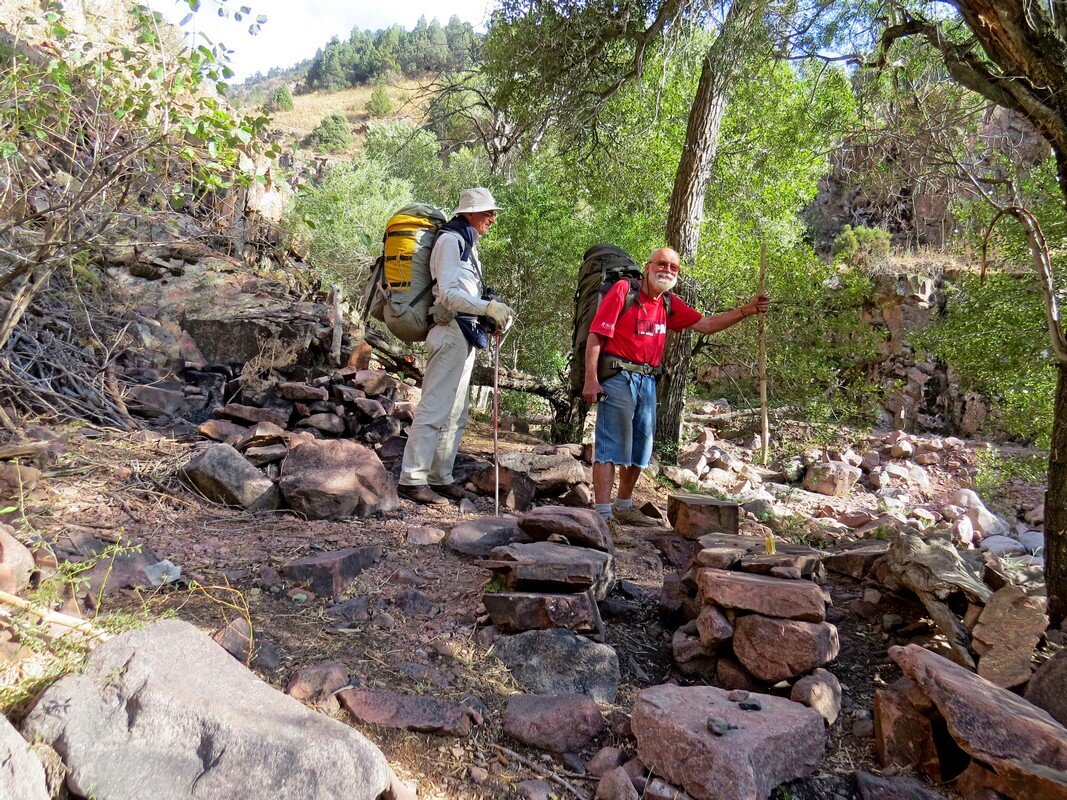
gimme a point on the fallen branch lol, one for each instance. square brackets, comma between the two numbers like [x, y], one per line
[544, 772]
[49, 617]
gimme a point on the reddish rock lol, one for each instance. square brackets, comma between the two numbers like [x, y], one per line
[221, 430]
[1024, 746]
[410, 712]
[719, 557]
[1045, 689]
[557, 723]
[729, 674]
[782, 742]
[580, 526]
[806, 562]
[694, 515]
[822, 691]
[714, 628]
[330, 573]
[772, 597]
[606, 759]
[301, 391]
[1009, 628]
[517, 489]
[318, 682]
[16, 561]
[250, 415]
[373, 381]
[658, 789]
[856, 562]
[781, 649]
[549, 565]
[676, 551]
[336, 478]
[325, 422]
[616, 785]
[896, 787]
[236, 639]
[514, 612]
[834, 478]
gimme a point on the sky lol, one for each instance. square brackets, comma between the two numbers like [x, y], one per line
[297, 29]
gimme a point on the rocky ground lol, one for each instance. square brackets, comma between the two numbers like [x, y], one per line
[401, 640]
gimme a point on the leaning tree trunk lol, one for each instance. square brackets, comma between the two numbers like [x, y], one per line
[1056, 509]
[718, 76]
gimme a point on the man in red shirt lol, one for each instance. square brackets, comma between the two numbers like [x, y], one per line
[627, 344]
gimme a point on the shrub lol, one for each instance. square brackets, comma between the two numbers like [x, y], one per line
[281, 99]
[332, 135]
[862, 247]
[379, 104]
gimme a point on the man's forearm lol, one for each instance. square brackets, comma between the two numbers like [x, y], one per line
[720, 322]
[592, 354]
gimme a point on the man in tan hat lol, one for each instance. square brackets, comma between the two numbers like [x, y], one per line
[433, 439]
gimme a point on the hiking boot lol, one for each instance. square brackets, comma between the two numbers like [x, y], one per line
[620, 537]
[422, 494]
[453, 491]
[631, 516]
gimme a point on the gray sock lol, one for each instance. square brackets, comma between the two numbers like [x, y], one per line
[603, 509]
[624, 505]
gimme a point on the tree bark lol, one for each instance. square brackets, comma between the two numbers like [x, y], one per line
[1056, 509]
[718, 75]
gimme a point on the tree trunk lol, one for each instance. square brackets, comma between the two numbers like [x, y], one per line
[718, 76]
[568, 418]
[1056, 509]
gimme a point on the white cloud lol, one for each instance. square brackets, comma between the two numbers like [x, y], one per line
[297, 29]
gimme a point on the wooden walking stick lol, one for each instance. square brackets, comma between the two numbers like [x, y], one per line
[769, 545]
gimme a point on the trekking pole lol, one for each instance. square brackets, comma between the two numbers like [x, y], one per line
[769, 545]
[496, 423]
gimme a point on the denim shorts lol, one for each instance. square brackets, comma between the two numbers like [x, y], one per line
[626, 420]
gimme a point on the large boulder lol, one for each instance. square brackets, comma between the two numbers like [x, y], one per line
[166, 713]
[780, 742]
[561, 662]
[1023, 748]
[559, 723]
[223, 475]
[834, 478]
[336, 478]
[478, 537]
[21, 772]
[552, 474]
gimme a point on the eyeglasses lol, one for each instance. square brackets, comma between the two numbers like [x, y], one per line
[490, 214]
[670, 266]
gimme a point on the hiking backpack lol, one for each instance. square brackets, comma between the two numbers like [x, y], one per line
[399, 293]
[603, 265]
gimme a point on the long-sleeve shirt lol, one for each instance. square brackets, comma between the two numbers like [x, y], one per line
[459, 283]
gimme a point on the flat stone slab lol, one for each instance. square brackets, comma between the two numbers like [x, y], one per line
[1023, 745]
[405, 711]
[560, 662]
[580, 526]
[771, 597]
[782, 742]
[552, 474]
[1008, 630]
[694, 515]
[480, 536]
[857, 562]
[514, 612]
[809, 563]
[330, 574]
[553, 559]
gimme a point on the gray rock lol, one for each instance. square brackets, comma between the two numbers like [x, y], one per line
[897, 787]
[166, 713]
[1045, 689]
[222, 474]
[21, 772]
[1003, 545]
[560, 662]
[478, 537]
[1033, 541]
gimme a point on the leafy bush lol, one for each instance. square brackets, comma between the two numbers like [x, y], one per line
[862, 247]
[379, 104]
[332, 135]
[340, 220]
[281, 99]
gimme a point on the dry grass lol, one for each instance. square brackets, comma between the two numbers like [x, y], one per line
[310, 109]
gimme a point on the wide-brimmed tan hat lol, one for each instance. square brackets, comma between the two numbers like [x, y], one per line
[476, 199]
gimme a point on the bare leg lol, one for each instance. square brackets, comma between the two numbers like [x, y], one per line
[627, 480]
[603, 481]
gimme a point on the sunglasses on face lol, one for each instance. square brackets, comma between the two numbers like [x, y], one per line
[667, 265]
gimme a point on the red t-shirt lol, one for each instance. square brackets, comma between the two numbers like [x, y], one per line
[640, 333]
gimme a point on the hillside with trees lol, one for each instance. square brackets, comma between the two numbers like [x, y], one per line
[201, 428]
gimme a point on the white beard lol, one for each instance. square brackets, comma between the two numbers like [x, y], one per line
[663, 281]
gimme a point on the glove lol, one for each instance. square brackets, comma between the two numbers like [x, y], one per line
[500, 314]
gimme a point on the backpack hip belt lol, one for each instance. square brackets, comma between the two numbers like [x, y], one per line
[610, 366]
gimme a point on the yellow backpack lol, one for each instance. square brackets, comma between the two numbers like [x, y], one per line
[399, 290]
